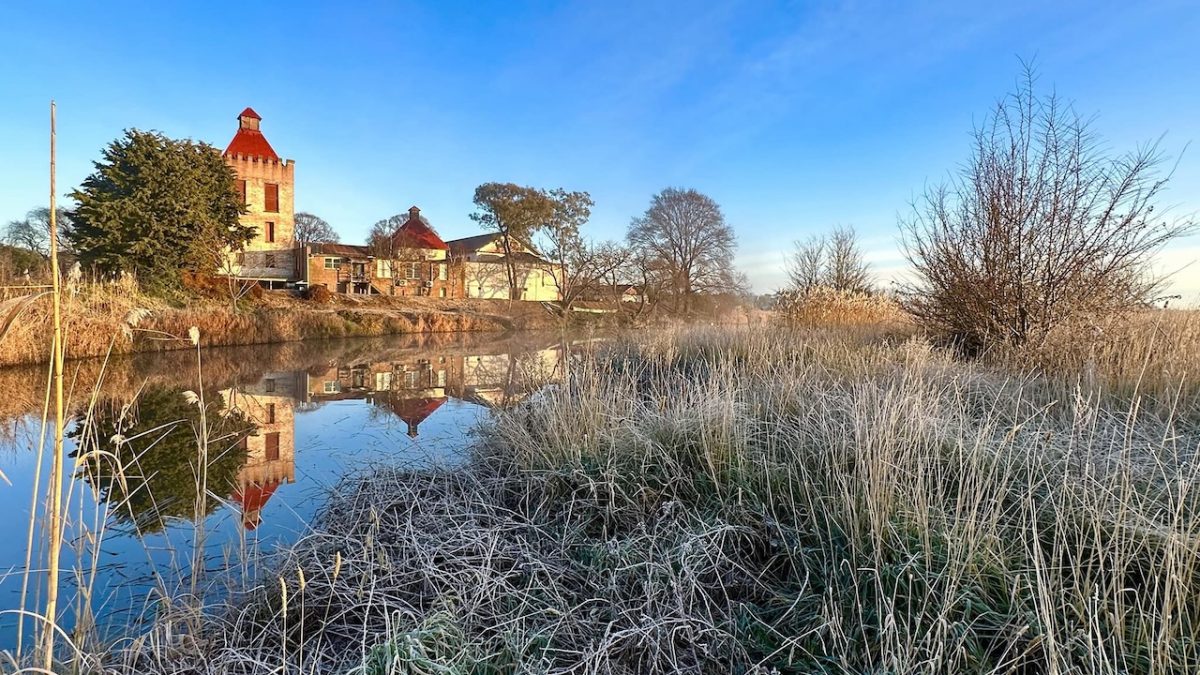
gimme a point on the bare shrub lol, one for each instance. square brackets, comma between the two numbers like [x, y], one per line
[1041, 225]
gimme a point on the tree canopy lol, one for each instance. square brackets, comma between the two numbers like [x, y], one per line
[155, 206]
[516, 212]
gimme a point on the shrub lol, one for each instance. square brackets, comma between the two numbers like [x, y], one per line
[318, 293]
[218, 287]
[1039, 226]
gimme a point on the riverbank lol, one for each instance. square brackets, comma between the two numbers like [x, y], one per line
[732, 501]
[115, 318]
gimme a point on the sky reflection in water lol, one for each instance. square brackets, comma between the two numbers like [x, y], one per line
[285, 423]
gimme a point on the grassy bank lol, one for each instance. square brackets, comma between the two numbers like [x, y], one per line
[728, 501]
[116, 316]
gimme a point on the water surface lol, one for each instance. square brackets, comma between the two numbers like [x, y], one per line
[281, 425]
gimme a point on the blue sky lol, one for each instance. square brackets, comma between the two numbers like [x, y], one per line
[795, 117]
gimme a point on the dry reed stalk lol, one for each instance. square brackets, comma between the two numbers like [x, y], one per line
[55, 531]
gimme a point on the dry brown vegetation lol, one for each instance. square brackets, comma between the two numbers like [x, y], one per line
[825, 307]
[116, 318]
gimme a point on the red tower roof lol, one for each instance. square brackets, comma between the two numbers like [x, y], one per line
[249, 141]
[253, 498]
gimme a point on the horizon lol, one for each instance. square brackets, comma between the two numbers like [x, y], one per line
[794, 120]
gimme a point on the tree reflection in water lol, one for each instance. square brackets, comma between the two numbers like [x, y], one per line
[143, 457]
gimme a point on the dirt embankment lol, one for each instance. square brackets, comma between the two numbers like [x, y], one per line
[103, 320]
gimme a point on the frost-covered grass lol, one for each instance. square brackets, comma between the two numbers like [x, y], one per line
[725, 501]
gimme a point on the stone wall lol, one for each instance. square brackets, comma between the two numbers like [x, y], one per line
[257, 174]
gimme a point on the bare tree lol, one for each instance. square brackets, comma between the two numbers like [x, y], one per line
[806, 266]
[385, 245]
[1041, 225]
[647, 273]
[833, 261]
[593, 266]
[238, 287]
[569, 258]
[311, 229]
[33, 232]
[684, 236]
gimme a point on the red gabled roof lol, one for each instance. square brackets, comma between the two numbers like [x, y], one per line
[249, 112]
[415, 233]
[416, 410]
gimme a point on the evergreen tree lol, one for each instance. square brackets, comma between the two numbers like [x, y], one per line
[155, 206]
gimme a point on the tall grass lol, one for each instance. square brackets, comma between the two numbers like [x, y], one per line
[732, 501]
[1149, 353]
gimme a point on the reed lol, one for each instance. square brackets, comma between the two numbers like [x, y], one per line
[1148, 353]
[823, 307]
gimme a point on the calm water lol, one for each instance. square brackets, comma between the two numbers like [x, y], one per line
[284, 424]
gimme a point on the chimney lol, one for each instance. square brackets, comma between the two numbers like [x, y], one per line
[414, 214]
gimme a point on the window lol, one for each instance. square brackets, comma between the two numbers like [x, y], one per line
[269, 260]
[331, 387]
[272, 446]
[270, 417]
[412, 271]
[331, 263]
[271, 198]
[383, 381]
[269, 385]
[441, 292]
[383, 268]
[241, 190]
[442, 271]
[269, 233]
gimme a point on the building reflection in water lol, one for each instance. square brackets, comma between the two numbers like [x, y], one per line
[409, 386]
[271, 449]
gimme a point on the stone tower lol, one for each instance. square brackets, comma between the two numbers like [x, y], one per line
[267, 185]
